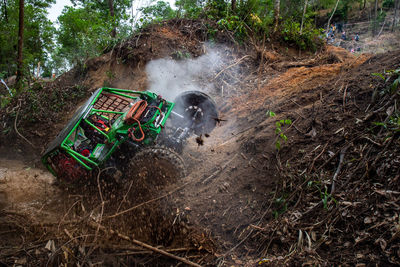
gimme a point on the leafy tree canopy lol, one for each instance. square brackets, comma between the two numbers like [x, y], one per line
[38, 35]
[159, 11]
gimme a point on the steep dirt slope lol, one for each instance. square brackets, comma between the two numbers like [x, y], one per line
[338, 171]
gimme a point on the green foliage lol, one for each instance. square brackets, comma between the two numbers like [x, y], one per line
[82, 34]
[103, 10]
[270, 113]
[396, 83]
[387, 76]
[310, 38]
[393, 123]
[234, 24]
[190, 8]
[251, 16]
[388, 4]
[377, 74]
[326, 197]
[85, 31]
[278, 129]
[280, 206]
[392, 78]
[38, 35]
[4, 101]
[292, 8]
[211, 32]
[342, 10]
[158, 12]
[179, 55]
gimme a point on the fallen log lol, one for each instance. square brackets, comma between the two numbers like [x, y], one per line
[96, 225]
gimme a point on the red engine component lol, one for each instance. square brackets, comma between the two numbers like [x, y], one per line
[69, 169]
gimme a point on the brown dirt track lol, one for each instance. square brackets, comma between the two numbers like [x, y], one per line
[243, 201]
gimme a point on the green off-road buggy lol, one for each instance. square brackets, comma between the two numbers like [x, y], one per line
[120, 129]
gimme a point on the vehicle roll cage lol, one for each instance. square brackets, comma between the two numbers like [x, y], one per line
[111, 106]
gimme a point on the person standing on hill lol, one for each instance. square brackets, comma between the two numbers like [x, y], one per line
[339, 27]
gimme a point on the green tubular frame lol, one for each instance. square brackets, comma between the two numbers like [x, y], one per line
[88, 163]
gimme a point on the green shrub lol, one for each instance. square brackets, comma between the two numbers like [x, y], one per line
[388, 4]
[309, 39]
[235, 24]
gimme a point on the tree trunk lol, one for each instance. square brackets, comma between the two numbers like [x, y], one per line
[396, 6]
[374, 25]
[302, 18]
[333, 12]
[5, 10]
[38, 70]
[277, 8]
[20, 41]
[233, 6]
[111, 6]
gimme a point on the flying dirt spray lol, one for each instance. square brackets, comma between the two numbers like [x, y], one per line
[175, 80]
[171, 77]
[188, 83]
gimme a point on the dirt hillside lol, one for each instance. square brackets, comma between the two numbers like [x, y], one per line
[328, 195]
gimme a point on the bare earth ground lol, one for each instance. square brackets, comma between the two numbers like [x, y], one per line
[329, 196]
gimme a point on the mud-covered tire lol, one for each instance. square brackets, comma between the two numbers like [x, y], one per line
[156, 162]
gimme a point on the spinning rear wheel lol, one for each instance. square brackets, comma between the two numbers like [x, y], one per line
[153, 168]
[199, 112]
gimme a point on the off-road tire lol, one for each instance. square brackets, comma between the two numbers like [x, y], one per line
[184, 104]
[150, 171]
[157, 161]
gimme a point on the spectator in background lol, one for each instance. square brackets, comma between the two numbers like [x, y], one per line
[344, 35]
[339, 27]
[357, 38]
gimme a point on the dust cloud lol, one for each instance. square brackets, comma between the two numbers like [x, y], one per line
[169, 77]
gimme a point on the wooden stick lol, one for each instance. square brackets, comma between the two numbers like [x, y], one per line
[16, 130]
[319, 204]
[341, 157]
[323, 150]
[142, 244]
[230, 66]
[218, 170]
[383, 25]
[261, 68]
[344, 97]
[147, 202]
[140, 249]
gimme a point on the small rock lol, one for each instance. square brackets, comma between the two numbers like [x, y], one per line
[20, 261]
[367, 220]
